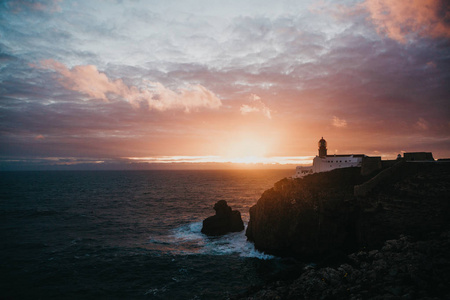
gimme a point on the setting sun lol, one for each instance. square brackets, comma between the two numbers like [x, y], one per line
[246, 149]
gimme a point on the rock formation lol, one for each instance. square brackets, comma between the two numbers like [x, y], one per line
[319, 216]
[396, 223]
[402, 269]
[224, 221]
[309, 217]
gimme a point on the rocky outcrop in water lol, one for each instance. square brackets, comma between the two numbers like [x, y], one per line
[319, 216]
[224, 221]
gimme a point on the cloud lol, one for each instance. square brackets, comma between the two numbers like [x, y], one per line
[340, 123]
[86, 79]
[89, 81]
[46, 5]
[246, 109]
[256, 106]
[401, 20]
[310, 66]
[422, 124]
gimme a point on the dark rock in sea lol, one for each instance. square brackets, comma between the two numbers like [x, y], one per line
[319, 217]
[224, 221]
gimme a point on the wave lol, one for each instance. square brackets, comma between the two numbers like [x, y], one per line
[188, 240]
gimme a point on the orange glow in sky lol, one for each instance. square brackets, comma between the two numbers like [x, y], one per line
[183, 82]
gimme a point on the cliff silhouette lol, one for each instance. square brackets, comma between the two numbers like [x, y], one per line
[337, 212]
[385, 235]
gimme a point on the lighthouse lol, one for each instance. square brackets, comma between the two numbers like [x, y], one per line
[324, 162]
[322, 148]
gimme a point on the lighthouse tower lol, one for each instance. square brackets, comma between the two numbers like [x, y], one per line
[322, 148]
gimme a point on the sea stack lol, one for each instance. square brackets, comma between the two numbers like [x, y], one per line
[224, 221]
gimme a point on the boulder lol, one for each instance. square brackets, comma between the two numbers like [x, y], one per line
[224, 221]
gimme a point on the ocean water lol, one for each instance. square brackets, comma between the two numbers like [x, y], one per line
[127, 234]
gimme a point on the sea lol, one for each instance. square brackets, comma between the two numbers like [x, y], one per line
[128, 234]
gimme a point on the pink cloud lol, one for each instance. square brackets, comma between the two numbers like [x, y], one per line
[340, 123]
[89, 81]
[86, 79]
[246, 109]
[256, 106]
[422, 124]
[19, 5]
[402, 19]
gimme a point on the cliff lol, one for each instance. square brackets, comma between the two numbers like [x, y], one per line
[323, 215]
[403, 268]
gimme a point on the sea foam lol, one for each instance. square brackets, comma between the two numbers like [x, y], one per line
[189, 240]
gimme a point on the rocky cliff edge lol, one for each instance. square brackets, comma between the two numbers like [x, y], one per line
[319, 216]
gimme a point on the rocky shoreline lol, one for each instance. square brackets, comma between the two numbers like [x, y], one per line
[402, 269]
[390, 242]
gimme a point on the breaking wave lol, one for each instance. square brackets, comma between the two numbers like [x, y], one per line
[188, 239]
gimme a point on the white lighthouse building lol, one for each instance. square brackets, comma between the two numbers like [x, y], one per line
[324, 162]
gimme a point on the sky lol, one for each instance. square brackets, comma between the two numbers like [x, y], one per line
[106, 83]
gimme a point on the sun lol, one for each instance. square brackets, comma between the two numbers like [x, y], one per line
[247, 149]
[248, 160]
